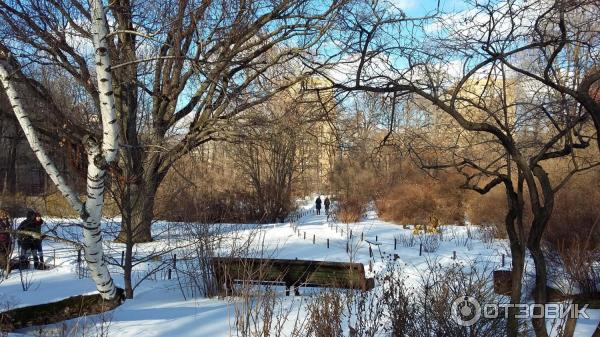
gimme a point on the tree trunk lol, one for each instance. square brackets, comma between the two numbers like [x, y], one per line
[517, 248]
[539, 292]
[518, 263]
[138, 202]
[128, 267]
[141, 215]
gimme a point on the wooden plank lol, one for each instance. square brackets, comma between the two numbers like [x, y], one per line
[292, 272]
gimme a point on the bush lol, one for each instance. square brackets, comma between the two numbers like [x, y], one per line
[349, 210]
[487, 209]
[417, 198]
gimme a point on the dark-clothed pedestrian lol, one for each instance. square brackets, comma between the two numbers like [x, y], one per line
[327, 203]
[318, 205]
[5, 241]
[37, 243]
[31, 245]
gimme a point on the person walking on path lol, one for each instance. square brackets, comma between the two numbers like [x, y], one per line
[5, 241]
[327, 203]
[37, 243]
[318, 205]
[30, 245]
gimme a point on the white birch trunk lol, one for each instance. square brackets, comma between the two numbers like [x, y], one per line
[92, 233]
[98, 160]
[110, 141]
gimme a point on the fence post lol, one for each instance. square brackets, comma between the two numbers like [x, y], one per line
[304, 235]
[54, 257]
[347, 247]
[395, 243]
[327, 243]
[174, 261]
[370, 265]
[362, 236]
[350, 234]
[502, 260]
[79, 273]
[122, 257]
[453, 255]
[420, 249]
[169, 273]
[376, 238]
[314, 236]
[370, 251]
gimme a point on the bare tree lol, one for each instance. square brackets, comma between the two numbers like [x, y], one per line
[181, 71]
[100, 155]
[386, 57]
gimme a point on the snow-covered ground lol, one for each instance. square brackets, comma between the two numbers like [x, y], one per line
[160, 309]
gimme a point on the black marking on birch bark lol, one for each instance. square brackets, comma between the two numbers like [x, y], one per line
[109, 93]
[102, 50]
[112, 122]
[103, 80]
[93, 179]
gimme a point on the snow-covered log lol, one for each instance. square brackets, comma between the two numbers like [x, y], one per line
[99, 157]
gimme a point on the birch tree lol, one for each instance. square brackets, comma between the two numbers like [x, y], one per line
[101, 153]
[183, 71]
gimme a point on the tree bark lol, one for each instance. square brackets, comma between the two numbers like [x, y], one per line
[138, 199]
[514, 228]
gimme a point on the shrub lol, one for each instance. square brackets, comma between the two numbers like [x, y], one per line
[575, 218]
[417, 198]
